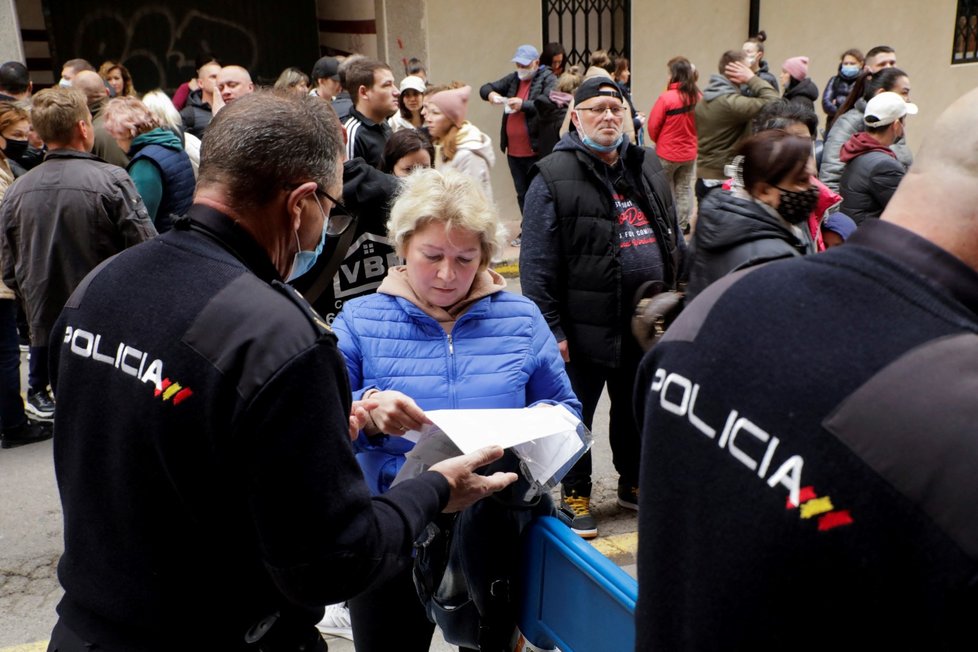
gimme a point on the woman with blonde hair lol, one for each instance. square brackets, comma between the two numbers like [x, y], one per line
[162, 107]
[158, 165]
[459, 144]
[293, 80]
[441, 332]
[118, 78]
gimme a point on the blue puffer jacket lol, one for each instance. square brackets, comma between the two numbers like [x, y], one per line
[500, 354]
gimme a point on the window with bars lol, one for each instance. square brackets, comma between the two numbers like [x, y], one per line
[966, 33]
[583, 26]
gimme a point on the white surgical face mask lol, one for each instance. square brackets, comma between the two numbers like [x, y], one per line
[592, 144]
[524, 73]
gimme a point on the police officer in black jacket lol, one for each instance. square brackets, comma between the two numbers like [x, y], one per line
[211, 499]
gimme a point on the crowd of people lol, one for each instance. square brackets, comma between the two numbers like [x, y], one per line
[313, 273]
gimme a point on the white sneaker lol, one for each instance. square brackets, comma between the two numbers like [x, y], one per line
[336, 621]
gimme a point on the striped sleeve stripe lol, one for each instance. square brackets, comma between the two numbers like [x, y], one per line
[352, 126]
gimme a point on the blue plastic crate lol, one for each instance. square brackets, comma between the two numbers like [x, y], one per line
[574, 598]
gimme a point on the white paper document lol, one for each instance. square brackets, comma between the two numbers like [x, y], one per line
[473, 429]
[546, 440]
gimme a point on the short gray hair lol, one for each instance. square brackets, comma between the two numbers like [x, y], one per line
[449, 197]
[267, 141]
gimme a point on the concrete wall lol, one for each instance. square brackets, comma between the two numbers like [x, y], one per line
[401, 32]
[663, 30]
[10, 45]
[920, 32]
[352, 11]
[474, 42]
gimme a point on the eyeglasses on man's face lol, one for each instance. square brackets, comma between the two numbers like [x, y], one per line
[599, 111]
[340, 217]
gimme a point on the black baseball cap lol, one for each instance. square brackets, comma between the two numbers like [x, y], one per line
[326, 68]
[597, 87]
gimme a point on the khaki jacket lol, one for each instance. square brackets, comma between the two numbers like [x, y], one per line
[723, 118]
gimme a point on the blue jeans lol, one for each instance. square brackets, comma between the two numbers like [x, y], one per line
[11, 404]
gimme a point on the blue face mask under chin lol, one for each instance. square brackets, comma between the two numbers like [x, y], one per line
[304, 260]
[590, 144]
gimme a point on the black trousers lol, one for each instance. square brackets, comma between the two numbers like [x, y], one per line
[38, 374]
[64, 639]
[588, 379]
[11, 404]
[391, 617]
[519, 167]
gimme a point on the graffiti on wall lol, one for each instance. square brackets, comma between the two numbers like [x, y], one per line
[159, 43]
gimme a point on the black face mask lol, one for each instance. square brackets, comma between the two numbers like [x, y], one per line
[797, 205]
[15, 149]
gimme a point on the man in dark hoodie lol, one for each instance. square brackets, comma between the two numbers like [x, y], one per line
[599, 222]
[872, 171]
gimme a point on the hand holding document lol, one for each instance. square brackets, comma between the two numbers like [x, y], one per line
[547, 441]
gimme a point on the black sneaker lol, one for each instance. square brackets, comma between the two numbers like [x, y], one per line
[28, 433]
[628, 496]
[575, 511]
[40, 405]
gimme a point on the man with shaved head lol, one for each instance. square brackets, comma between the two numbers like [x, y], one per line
[809, 452]
[198, 112]
[89, 83]
[234, 82]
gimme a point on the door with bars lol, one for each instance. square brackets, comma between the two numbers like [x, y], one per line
[583, 26]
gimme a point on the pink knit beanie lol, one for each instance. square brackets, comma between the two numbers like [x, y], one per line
[797, 67]
[453, 103]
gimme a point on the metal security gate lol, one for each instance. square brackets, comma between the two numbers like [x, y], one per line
[583, 26]
[966, 32]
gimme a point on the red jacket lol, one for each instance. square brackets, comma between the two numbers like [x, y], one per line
[672, 126]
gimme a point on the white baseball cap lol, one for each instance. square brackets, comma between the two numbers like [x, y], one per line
[413, 83]
[886, 108]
